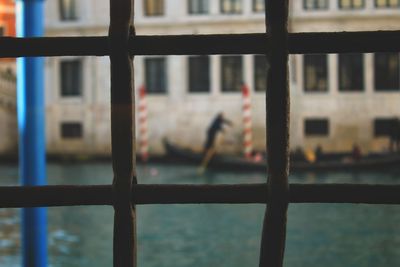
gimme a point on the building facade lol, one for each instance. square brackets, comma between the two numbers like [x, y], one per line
[7, 28]
[337, 100]
[8, 116]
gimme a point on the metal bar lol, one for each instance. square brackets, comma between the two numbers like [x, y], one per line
[54, 46]
[122, 132]
[345, 193]
[344, 42]
[31, 129]
[257, 43]
[143, 194]
[277, 103]
[53, 196]
[195, 194]
[255, 193]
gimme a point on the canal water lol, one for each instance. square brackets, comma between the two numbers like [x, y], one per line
[211, 235]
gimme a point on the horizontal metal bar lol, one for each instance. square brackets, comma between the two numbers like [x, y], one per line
[345, 193]
[195, 194]
[218, 44]
[54, 195]
[257, 43]
[344, 42]
[53, 46]
[50, 196]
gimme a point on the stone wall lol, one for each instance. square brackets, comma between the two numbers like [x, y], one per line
[8, 114]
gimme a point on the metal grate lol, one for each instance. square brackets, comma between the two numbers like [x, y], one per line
[124, 193]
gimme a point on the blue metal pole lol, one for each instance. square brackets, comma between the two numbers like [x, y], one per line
[32, 162]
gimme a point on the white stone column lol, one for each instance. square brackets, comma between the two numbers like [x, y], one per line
[248, 69]
[297, 97]
[84, 12]
[215, 75]
[56, 79]
[214, 7]
[293, 70]
[334, 5]
[51, 13]
[139, 71]
[333, 74]
[297, 7]
[175, 9]
[103, 81]
[51, 91]
[369, 75]
[247, 7]
[90, 114]
[51, 88]
[86, 80]
[299, 75]
[176, 77]
[369, 5]
[139, 10]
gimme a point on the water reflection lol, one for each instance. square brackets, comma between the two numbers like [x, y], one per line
[211, 235]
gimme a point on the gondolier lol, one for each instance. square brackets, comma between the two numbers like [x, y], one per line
[216, 126]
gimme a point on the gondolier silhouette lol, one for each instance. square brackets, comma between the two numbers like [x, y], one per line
[216, 126]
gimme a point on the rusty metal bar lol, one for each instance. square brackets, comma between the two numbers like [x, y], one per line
[344, 42]
[257, 43]
[54, 46]
[345, 193]
[143, 194]
[277, 103]
[54, 195]
[255, 193]
[122, 132]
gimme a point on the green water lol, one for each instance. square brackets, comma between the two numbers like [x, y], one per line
[211, 235]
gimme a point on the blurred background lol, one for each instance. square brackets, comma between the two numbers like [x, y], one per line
[345, 110]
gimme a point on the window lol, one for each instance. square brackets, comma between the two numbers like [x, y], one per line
[315, 4]
[387, 3]
[384, 127]
[155, 75]
[258, 5]
[351, 4]
[71, 78]
[199, 74]
[71, 130]
[231, 73]
[231, 6]
[153, 7]
[68, 10]
[315, 73]
[387, 71]
[351, 72]
[260, 73]
[316, 127]
[198, 6]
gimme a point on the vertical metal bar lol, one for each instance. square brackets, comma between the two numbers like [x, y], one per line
[277, 98]
[122, 132]
[30, 98]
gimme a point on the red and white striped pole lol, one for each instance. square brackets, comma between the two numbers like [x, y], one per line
[143, 130]
[247, 124]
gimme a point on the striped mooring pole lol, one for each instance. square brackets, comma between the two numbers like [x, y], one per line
[247, 124]
[31, 129]
[143, 127]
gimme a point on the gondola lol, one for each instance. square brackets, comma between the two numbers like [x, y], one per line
[327, 162]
